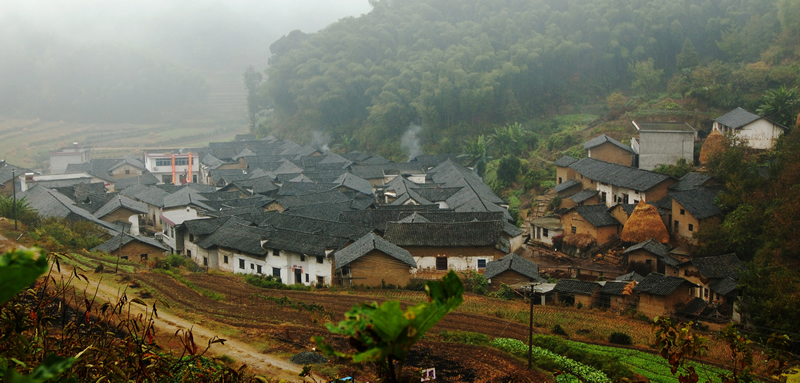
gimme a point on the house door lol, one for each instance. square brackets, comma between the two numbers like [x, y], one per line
[298, 276]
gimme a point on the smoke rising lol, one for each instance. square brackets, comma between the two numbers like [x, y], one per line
[410, 141]
[320, 140]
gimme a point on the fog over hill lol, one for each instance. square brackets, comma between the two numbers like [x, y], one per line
[122, 61]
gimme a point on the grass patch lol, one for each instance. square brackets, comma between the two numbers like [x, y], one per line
[466, 337]
[204, 292]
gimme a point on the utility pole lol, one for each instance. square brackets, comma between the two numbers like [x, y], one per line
[530, 331]
[14, 188]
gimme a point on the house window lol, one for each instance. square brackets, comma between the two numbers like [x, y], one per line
[320, 259]
[276, 253]
[545, 233]
[225, 259]
[191, 237]
[205, 260]
[481, 263]
[574, 230]
[604, 197]
[320, 280]
[624, 198]
[252, 266]
[127, 171]
[276, 272]
[188, 253]
[258, 269]
[683, 212]
[302, 257]
[676, 225]
[241, 263]
[441, 263]
[691, 227]
[559, 180]
[306, 277]
[163, 162]
[705, 292]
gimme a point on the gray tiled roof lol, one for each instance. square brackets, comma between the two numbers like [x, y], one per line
[304, 243]
[618, 175]
[649, 245]
[723, 286]
[144, 179]
[368, 243]
[205, 226]
[737, 118]
[235, 234]
[290, 188]
[184, 197]
[121, 201]
[444, 234]
[602, 139]
[613, 288]
[632, 276]
[565, 161]
[699, 202]
[573, 286]
[6, 172]
[692, 180]
[512, 262]
[50, 203]
[566, 185]
[597, 215]
[354, 183]
[694, 307]
[331, 196]
[113, 243]
[328, 211]
[583, 195]
[718, 266]
[315, 226]
[659, 284]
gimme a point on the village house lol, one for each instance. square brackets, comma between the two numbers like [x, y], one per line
[511, 269]
[593, 220]
[691, 209]
[651, 257]
[613, 296]
[11, 177]
[577, 293]
[564, 172]
[439, 247]
[60, 159]
[658, 294]
[759, 132]
[605, 148]
[716, 276]
[544, 229]
[663, 143]
[621, 184]
[133, 247]
[373, 261]
[173, 168]
[122, 211]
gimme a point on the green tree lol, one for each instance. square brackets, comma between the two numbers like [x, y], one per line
[508, 170]
[384, 334]
[781, 105]
[477, 152]
[677, 170]
[645, 77]
[688, 57]
[252, 79]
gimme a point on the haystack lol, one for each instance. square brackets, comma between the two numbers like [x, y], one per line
[580, 241]
[714, 143]
[644, 223]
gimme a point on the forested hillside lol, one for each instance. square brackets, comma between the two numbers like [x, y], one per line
[459, 67]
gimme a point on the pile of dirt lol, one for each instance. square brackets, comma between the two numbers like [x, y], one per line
[308, 357]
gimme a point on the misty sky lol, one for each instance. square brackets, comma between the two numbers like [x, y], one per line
[164, 25]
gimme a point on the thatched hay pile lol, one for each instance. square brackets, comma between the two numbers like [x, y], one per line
[714, 143]
[580, 241]
[644, 223]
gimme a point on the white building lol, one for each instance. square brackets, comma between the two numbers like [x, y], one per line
[173, 168]
[663, 143]
[759, 132]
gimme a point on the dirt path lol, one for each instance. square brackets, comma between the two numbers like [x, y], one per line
[167, 323]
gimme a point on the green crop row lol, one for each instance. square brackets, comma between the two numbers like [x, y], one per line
[580, 370]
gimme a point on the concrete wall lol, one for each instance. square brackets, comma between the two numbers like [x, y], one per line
[663, 147]
[611, 153]
[375, 268]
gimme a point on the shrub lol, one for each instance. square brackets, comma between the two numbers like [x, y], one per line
[465, 337]
[579, 305]
[58, 234]
[558, 330]
[25, 213]
[475, 282]
[505, 292]
[620, 338]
